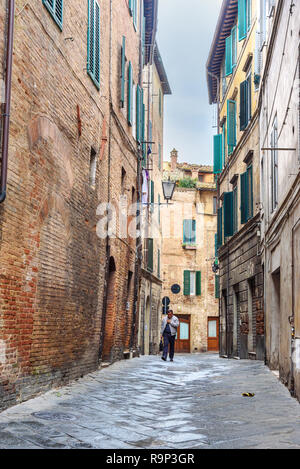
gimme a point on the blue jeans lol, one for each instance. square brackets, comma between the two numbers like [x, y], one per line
[168, 340]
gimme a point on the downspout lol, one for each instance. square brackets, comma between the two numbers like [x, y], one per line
[5, 115]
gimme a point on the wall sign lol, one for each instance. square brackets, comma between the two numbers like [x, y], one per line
[175, 288]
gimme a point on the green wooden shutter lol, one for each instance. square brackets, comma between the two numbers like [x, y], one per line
[152, 196]
[150, 255]
[228, 214]
[217, 286]
[228, 56]
[249, 14]
[130, 6]
[55, 8]
[234, 46]
[193, 233]
[218, 154]
[249, 182]
[243, 105]
[198, 283]
[130, 97]
[235, 210]
[123, 59]
[216, 245]
[93, 59]
[242, 18]
[186, 282]
[231, 125]
[223, 146]
[244, 208]
[220, 228]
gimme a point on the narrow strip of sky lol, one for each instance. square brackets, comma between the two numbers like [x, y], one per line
[185, 33]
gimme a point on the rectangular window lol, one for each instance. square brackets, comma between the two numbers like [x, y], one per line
[217, 286]
[235, 209]
[152, 196]
[93, 168]
[150, 254]
[214, 205]
[231, 125]
[93, 59]
[130, 95]
[189, 231]
[249, 192]
[55, 8]
[234, 46]
[135, 13]
[228, 56]
[123, 61]
[228, 214]
[245, 102]
[274, 166]
[138, 113]
[192, 283]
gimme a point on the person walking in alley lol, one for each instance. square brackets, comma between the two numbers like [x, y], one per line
[168, 333]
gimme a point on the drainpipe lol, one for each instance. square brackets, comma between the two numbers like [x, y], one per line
[5, 115]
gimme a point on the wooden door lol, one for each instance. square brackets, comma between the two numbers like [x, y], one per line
[213, 334]
[182, 342]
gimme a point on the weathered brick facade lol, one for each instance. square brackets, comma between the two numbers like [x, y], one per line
[70, 144]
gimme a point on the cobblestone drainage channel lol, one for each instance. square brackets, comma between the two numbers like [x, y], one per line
[53, 416]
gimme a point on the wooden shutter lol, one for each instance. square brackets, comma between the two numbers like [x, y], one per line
[198, 283]
[216, 245]
[242, 18]
[249, 182]
[218, 154]
[130, 97]
[144, 146]
[55, 8]
[186, 282]
[152, 196]
[243, 105]
[234, 47]
[228, 56]
[123, 58]
[244, 208]
[228, 214]
[150, 255]
[220, 227]
[249, 13]
[93, 65]
[231, 125]
[130, 6]
[158, 263]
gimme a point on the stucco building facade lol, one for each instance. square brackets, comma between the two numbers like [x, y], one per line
[189, 226]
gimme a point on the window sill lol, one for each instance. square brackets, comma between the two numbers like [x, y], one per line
[191, 247]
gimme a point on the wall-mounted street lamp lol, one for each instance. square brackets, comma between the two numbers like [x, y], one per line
[168, 189]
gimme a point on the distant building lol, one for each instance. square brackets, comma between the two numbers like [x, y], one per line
[188, 253]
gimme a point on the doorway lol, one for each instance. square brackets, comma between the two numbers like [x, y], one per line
[183, 336]
[212, 334]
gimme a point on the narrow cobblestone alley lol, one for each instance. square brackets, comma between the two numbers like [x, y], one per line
[194, 402]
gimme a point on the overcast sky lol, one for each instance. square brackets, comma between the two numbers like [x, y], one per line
[185, 33]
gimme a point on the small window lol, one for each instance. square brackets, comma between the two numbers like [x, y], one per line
[201, 178]
[93, 167]
[192, 283]
[123, 180]
[215, 205]
[274, 166]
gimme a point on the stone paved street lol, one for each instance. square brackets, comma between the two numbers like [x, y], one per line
[194, 402]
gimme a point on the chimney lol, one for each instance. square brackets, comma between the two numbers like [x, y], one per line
[174, 157]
